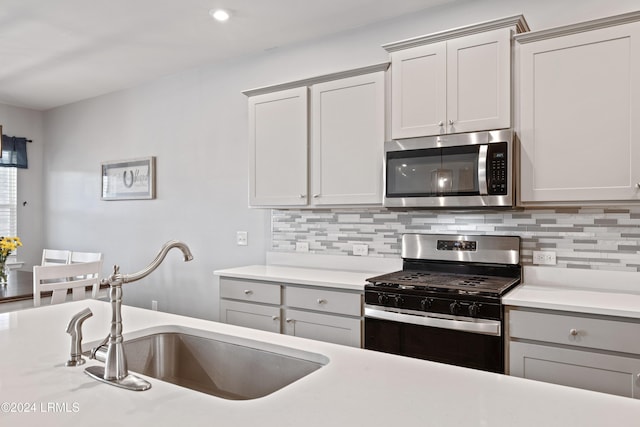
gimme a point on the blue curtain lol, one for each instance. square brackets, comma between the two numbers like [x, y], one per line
[14, 152]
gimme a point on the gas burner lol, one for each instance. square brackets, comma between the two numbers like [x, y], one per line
[414, 276]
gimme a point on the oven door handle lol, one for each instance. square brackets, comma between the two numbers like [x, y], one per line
[478, 326]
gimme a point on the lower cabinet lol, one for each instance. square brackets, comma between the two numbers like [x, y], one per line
[591, 352]
[589, 370]
[323, 327]
[263, 317]
[324, 314]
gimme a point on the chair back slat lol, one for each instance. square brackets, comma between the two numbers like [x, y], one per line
[84, 257]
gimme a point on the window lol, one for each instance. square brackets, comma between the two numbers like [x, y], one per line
[8, 201]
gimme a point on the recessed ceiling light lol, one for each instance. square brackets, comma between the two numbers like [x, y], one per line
[219, 14]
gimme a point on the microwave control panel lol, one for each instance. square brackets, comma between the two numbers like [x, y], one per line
[497, 163]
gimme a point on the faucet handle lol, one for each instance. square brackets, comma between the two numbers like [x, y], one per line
[75, 330]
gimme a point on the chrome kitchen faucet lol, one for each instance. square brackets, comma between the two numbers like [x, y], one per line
[115, 370]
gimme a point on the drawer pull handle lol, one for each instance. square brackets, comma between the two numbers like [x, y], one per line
[289, 320]
[274, 318]
[573, 332]
[321, 301]
[248, 292]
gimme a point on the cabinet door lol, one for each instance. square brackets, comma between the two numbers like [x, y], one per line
[580, 116]
[254, 316]
[418, 91]
[323, 327]
[278, 141]
[576, 368]
[347, 140]
[479, 82]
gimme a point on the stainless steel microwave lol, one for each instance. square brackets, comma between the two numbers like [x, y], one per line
[468, 170]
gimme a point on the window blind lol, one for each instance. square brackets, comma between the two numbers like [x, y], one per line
[8, 201]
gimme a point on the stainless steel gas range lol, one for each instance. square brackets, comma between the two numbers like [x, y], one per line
[445, 303]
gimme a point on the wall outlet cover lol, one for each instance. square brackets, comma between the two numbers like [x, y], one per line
[361, 250]
[302, 246]
[544, 257]
[242, 238]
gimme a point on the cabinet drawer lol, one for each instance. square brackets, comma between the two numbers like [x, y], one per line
[324, 300]
[246, 290]
[605, 334]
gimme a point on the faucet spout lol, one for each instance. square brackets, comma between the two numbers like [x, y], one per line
[115, 370]
[127, 278]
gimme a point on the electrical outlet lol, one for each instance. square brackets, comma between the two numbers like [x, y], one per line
[361, 250]
[302, 246]
[544, 257]
[242, 238]
[154, 305]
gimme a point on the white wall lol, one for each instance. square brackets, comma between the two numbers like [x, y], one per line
[195, 123]
[27, 123]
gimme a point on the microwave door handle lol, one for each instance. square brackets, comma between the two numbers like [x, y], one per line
[482, 170]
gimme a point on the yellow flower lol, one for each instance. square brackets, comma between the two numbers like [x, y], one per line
[8, 244]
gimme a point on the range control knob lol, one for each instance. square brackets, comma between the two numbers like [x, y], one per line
[474, 309]
[454, 308]
[398, 301]
[426, 304]
[383, 299]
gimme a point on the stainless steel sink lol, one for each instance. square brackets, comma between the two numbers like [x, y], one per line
[216, 364]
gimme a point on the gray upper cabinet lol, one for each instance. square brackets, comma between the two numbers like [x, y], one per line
[278, 148]
[453, 81]
[319, 150]
[579, 110]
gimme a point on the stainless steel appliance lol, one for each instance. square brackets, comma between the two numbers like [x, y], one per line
[451, 171]
[445, 304]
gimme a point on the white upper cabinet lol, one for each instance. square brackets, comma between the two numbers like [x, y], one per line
[479, 82]
[278, 148]
[454, 81]
[342, 124]
[579, 108]
[347, 140]
[418, 91]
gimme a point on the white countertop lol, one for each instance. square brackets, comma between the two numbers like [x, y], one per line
[353, 280]
[582, 291]
[357, 387]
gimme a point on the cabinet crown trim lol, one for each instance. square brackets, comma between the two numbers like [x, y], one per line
[317, 79]
[516, 21]
[578, 28]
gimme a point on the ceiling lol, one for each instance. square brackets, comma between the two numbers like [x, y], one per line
[58, 52]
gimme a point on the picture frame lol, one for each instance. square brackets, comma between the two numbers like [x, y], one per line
[132, 179]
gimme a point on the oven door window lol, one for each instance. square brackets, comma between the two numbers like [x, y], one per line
[433, 172]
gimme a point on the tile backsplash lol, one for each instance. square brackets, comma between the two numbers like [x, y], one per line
[588, 238]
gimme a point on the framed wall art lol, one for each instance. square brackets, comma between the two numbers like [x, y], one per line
[129, 179]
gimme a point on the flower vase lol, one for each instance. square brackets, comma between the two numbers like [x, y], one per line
[4, 274]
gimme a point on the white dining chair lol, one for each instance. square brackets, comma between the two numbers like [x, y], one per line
[55, 256]
[84, 257]
[59, 279]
